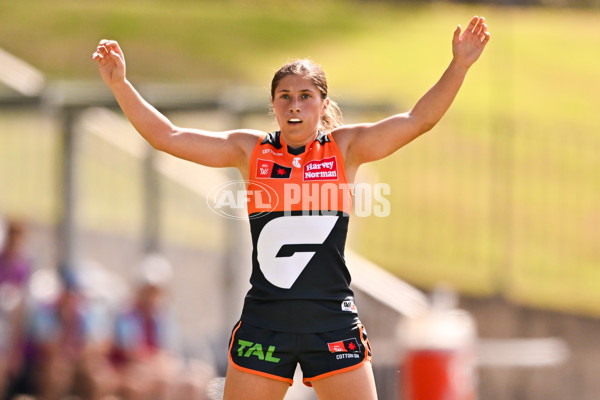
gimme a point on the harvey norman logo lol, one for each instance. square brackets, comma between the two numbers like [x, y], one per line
[325, 169]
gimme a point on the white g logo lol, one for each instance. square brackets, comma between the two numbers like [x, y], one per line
[290, 230]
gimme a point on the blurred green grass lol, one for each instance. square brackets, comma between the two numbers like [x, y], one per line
[502, 196]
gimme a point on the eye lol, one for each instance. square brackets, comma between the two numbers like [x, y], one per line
[284, 96]
[305, 95]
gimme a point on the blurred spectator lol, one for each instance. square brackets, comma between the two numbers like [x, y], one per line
[15, 270]
[146, 354]
[14, 267]
[11, 317]
[58, 355]
[103, 292]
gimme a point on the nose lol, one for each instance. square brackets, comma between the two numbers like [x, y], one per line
[295, 105]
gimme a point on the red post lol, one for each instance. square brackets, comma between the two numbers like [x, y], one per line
[438, 360]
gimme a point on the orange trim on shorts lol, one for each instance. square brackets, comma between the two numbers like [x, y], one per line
[252, 371]
[368, 358]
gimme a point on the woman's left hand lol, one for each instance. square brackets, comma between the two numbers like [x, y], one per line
[467, 46]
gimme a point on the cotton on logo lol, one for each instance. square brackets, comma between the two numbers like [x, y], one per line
[230, 199]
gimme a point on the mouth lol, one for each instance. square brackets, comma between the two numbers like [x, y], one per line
[294, 121]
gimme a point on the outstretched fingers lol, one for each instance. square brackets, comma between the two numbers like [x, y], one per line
[107, 48]
[478, 29]
[481, 29]
[112, 45]
[99, 54]
[457, 33]
[485, 37]
[110, 60]
[468, 44]
[472, 24]
[479, 26]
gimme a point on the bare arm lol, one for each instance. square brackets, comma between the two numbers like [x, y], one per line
[214, 149]
[370, 142]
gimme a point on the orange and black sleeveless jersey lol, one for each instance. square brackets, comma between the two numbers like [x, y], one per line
[299, 204]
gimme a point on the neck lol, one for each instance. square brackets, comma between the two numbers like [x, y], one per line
[295, 141]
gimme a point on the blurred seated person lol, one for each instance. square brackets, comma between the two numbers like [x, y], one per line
[11, 331]
[146, 354]
[15, 268]
[15, 271]
[57, 348]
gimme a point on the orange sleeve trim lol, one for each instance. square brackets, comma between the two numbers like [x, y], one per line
[251, 371]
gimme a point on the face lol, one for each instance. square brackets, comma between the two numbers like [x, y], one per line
[298, 107]
[150, 296]
[14, 240]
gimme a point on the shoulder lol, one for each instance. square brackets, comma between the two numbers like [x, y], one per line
[246, 138]
[345, 135]
[246, 141]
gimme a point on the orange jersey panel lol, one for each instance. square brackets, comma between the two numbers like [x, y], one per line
[311, 180]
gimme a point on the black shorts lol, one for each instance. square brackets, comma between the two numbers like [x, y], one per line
[275, 354]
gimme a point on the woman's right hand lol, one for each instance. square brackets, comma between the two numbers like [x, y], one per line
[111, 61]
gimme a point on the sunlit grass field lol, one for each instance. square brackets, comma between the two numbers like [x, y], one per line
[502, 196]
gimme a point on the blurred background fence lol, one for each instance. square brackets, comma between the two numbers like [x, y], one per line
[501, 201]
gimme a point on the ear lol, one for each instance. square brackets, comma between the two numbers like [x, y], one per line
[325, 105]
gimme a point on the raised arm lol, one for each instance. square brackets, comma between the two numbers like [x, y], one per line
[370, 142]
[214, 149]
